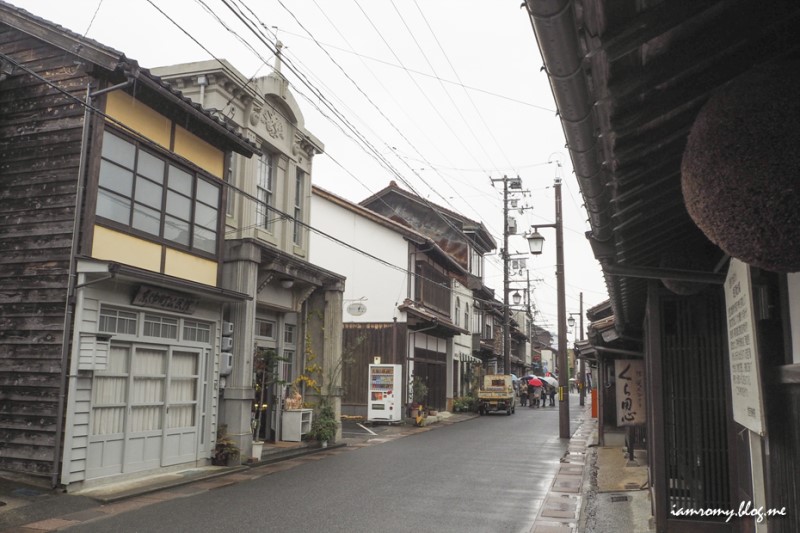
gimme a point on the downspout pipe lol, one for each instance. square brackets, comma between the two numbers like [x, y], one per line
[72, 282]
[69, 306]
[554, 27]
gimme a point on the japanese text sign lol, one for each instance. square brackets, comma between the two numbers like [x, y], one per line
[630, 392]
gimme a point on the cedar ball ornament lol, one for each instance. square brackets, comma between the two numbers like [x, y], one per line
[741, 168]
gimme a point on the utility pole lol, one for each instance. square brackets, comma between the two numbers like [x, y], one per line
[582, 376]
[563, 371]
[508, 183]
[535, 241]
[506, 313]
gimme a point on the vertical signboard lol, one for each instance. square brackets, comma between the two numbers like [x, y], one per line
[630, 392]
[745, 377]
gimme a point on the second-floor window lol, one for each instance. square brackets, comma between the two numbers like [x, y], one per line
[298, 208]
[150, 194]
[288, 334]
[477, 321]
[458, 312]
[475, 263]
[432, 288]
[265, 192]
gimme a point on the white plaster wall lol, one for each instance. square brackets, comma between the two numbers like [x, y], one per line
[462, 344]
[382, 287]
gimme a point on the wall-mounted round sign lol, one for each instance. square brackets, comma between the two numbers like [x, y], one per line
[356, 309]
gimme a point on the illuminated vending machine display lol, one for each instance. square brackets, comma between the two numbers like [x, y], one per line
[385, 391]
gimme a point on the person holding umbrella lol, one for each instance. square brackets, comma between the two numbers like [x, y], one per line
[536, 385]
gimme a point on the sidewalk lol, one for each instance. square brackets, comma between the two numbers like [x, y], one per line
[596, 490]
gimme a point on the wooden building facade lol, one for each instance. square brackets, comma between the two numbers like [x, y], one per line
[111, 224]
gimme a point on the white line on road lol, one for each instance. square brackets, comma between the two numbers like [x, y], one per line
[366, 429]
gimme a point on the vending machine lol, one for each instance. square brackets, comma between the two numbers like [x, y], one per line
[385, 393]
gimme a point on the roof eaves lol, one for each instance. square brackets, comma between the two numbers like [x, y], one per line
[115, 61]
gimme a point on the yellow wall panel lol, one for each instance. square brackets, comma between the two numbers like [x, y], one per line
[139, 117]
[188, 266]
[112, 245]
[199, 152]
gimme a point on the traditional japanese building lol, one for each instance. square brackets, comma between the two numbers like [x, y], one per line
[111, 286]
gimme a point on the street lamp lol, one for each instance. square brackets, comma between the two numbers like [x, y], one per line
[536, 242]
[516, 298]
[582, 371]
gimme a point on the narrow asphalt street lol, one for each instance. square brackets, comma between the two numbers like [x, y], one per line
[489, 474]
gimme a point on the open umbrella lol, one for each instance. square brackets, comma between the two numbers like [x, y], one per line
[514, 378]
[535, 382]
[550, 381]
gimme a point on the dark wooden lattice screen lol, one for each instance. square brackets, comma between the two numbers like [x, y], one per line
[695, 421]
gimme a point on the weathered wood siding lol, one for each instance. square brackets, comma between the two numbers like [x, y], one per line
[40, 135]
[361, 343]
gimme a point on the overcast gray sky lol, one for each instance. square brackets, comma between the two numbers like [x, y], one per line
[445, 94]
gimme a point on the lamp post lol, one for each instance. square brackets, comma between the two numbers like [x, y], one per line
[582, 371]
[536, 242]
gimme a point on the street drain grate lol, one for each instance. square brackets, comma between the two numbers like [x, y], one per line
[619, 499]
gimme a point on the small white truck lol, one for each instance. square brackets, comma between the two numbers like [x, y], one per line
[496, 394]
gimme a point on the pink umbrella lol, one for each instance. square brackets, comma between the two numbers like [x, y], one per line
[535, 382]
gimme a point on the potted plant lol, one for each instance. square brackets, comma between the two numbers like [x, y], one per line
[324, 425]
[419, 390]
[226, 452]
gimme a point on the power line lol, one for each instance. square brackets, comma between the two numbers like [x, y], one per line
[425, 74]
[372, 150]
[281, 214]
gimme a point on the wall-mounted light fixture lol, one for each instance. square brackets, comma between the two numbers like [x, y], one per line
[287, 283]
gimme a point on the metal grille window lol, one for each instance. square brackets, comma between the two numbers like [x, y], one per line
[196, 331]
[147, 193]
[289, 333]
[160, 326]
[265, 192]
[265, 328]
[117, 321]
[286, 366]
[298, 208]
